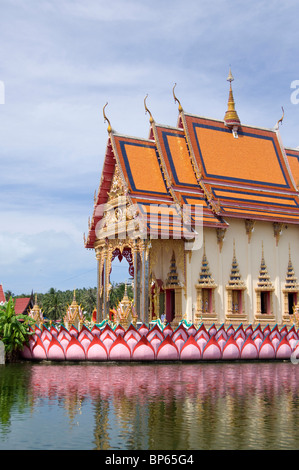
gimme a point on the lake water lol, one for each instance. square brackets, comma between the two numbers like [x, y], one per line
[149, 406]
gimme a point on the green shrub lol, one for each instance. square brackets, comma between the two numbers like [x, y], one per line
[14, 331]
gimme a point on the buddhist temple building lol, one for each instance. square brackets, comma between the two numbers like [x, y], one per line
[206, 214]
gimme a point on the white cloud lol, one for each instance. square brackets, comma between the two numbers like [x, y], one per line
[61, 61]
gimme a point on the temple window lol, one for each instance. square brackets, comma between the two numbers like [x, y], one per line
[205, 288]
[235, 293]
[207, 300]
[266, 302]
[173, 294]
[290, 292]
[264, 291]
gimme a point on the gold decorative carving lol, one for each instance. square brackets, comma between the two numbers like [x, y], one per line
[36, 313]
[176, 246]
[277, 229]
[74, 315]
[117, 185]
[264, 282]
[249, 226]
[109, 129]
[176, 100]
[220, 232]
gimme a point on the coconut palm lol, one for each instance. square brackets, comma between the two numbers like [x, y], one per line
[52, 305]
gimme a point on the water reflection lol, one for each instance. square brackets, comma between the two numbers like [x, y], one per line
[13, 393]
[173, 406]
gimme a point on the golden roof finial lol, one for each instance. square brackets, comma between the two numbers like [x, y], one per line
[230, 77]
[109, 129]
[176, 100]
[231, 118]
[148, 111]
[281, 119]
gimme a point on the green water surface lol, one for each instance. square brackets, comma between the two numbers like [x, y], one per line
[178, 406]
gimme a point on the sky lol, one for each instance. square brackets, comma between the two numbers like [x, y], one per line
[62, 60]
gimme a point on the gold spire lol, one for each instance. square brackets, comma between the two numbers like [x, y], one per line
[172, 277]
[235, 279]
[74, 298]
[36, 308]
[109, 129]
[231, 118]
[125, 297]
[264, 281]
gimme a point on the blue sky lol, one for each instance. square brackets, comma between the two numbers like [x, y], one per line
[61, 60]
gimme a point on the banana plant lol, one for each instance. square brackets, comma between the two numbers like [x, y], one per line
[14, 328]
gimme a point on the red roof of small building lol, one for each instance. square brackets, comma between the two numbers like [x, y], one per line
[22, 305]
[2, 296]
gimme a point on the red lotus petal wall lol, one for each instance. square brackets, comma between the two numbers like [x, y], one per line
[156, 344]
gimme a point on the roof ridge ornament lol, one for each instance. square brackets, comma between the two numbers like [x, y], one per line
[148, 111]
[109, 128]
[280, 120]
[176, 99]
[231, 118]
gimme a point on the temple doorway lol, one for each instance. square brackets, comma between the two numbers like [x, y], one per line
[292, 301]
[170, 305]
[157, 300]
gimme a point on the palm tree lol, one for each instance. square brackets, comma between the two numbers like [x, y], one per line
[117, 292]
[89, 299]
[52, 305]
[8, 294]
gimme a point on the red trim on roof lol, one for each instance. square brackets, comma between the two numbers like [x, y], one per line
[105, 184]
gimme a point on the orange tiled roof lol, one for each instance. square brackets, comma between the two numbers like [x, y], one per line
[249, 175]
[201, 163]
[293, 159]
[140, 163]
[241, 160]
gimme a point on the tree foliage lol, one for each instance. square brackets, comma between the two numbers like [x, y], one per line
[117, 292]
[14, 331]
[55, 303]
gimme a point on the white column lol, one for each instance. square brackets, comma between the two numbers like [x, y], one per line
[277, 306]
[250, 305]
[188, 258]
[221, 289]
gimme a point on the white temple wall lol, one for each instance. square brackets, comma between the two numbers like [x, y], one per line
[248, 255]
